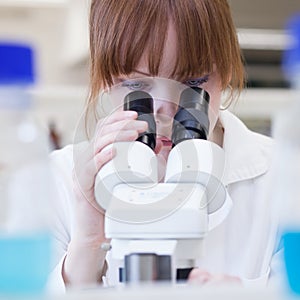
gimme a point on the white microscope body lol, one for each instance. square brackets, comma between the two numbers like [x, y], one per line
[147, 220]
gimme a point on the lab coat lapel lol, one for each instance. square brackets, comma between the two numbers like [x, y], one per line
[245, 157]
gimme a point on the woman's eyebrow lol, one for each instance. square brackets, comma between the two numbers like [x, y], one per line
[199, 77]
[143, 73]
[134, 75]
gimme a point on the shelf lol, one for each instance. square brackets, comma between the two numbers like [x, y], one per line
[263, 39]
[262, 103]
[33, 3]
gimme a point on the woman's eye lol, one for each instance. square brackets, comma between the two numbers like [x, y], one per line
[135, 85]
[196, 82]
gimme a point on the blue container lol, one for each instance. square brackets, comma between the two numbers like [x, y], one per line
[291, 238]
[16, 64]
[24, 264]
[291, 241]
[25, 257]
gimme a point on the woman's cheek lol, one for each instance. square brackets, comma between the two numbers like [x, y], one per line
[214, 108]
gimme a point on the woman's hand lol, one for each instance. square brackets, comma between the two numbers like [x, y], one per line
[202, 277]
[84, 263]
[120, 126]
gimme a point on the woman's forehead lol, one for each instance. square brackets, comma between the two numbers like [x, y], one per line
[168, 56]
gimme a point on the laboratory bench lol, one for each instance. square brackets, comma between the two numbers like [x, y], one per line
[179, 293]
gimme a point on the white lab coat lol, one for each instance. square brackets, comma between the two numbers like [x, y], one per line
[245, 244]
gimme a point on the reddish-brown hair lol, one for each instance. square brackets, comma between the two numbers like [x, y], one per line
[121, 31]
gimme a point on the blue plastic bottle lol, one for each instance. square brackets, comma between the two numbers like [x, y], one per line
[287, 161]
[25, 242]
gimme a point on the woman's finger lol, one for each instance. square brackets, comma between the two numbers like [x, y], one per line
[121, 136]
[86, 177]
[201, 277]
[198, 276]
[223, 279]
[103, 157]
[141, 126]
[115, 117]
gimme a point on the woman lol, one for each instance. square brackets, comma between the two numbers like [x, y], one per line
[192, 42]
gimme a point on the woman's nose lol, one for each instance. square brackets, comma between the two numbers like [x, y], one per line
[164, 112]
[164, 108]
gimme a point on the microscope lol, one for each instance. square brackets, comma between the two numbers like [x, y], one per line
[157, 229]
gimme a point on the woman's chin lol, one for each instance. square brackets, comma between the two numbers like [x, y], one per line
[161, 167]
[162, 158]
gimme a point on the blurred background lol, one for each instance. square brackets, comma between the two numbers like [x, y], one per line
[58, 31]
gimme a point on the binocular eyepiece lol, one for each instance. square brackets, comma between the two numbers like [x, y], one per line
[190, 122]
[142, 103]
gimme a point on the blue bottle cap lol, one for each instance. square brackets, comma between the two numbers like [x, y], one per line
[16, 64]
[291, 57]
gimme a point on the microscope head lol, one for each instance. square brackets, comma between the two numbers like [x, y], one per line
[191, 120]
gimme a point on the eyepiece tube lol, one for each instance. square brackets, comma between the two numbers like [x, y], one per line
[142, 103]
[191, 120]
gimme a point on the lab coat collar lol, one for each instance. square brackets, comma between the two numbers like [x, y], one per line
[247, 154]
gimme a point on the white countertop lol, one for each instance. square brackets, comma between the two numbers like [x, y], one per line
[179, 292]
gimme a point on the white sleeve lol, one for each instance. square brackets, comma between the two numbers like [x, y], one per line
[56, 283]
[259, 282]
[277, 277]
[61, 221]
